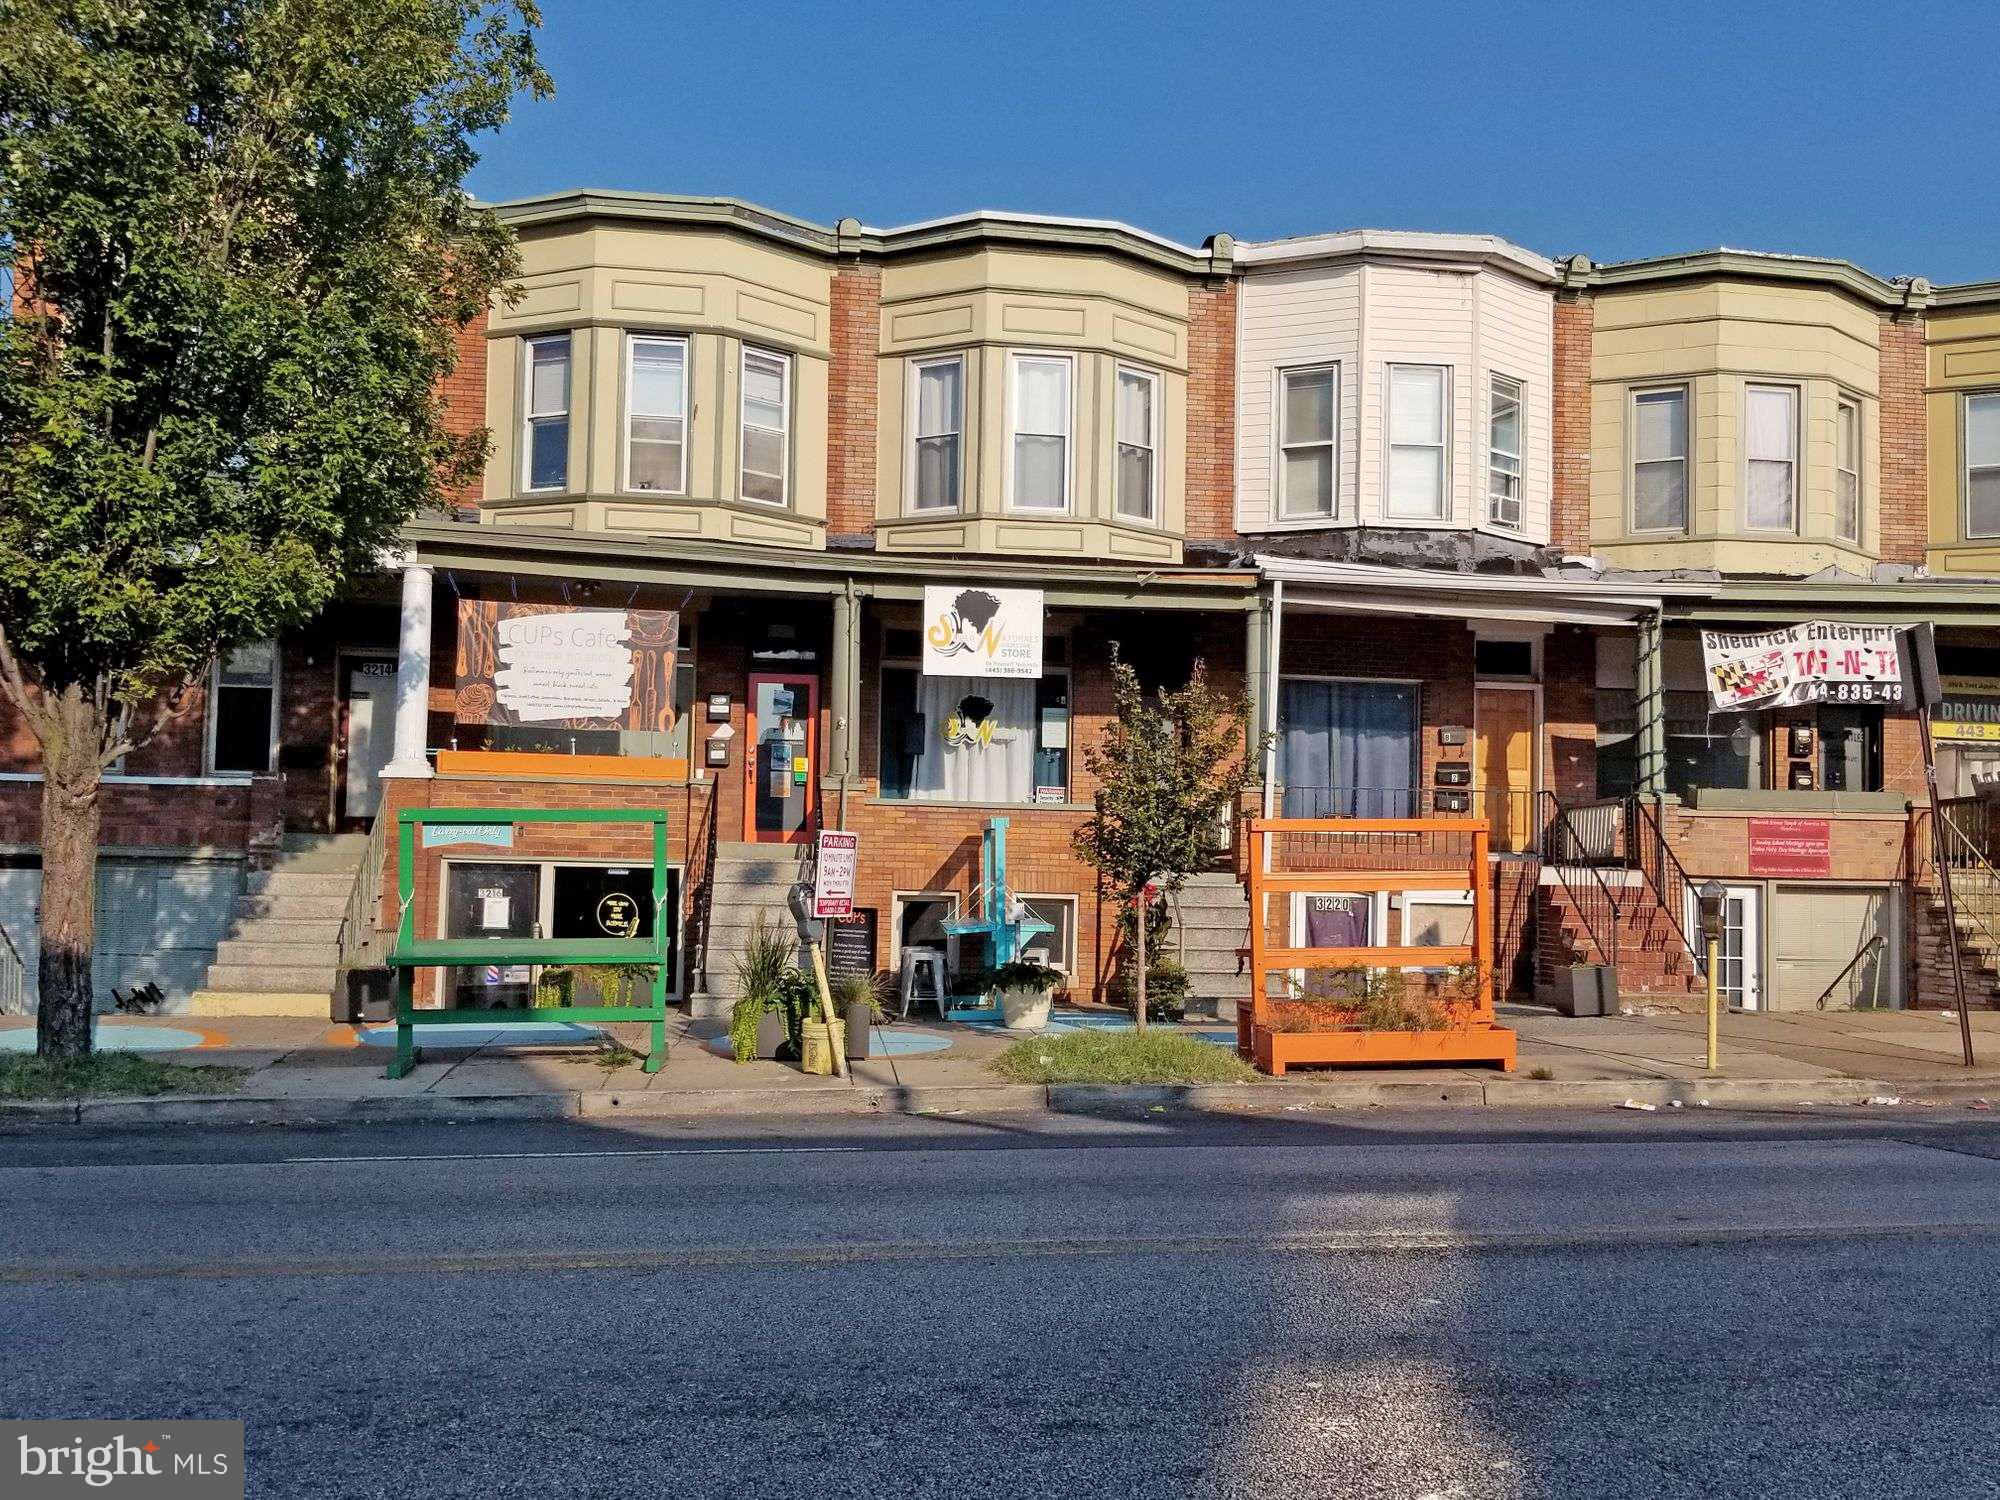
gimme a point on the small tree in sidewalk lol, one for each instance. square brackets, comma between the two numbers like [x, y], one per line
[1169, 771]
[241, 250]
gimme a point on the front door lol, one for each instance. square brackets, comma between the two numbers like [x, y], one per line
[368, 737]
[1504, 764]
[1740, 955]
[783, 760]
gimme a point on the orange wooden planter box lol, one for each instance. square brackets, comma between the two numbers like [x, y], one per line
[1273, 1051]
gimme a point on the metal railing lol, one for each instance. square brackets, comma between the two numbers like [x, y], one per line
[13, 977]
[362, 939]
[1572, 854]
[1975, 884]
[1514, 818]
[1874, 942]
[1649, 853]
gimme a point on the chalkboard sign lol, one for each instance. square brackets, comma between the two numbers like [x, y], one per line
[850, 944]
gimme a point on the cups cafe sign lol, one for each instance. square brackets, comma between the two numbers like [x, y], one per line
[579, 668]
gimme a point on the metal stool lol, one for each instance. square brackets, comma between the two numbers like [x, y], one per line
[922, 979]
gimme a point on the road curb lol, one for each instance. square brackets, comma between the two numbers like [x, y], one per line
[987, 1098]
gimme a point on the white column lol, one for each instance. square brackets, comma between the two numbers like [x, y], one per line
[413, 674]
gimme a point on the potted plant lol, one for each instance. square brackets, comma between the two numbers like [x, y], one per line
[857, 1000]
[761, 1023]
[1025, 990]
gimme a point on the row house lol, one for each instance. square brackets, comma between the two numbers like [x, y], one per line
[1450, 515]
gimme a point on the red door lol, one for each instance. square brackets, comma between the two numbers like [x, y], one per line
[781, 760]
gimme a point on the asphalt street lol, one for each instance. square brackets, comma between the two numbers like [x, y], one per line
[1772, 1304]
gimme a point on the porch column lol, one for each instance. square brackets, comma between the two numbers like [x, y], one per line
[1652, 705]
[1253, 686]
[843, 692]
[413, 675]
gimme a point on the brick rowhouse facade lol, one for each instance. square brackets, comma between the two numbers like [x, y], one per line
[1905, 481]
[852, 399]
[1211, 418]
[1569, 520]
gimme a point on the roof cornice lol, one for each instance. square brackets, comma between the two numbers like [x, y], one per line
[1966, 294]
[1753, 265]
[1469, 250]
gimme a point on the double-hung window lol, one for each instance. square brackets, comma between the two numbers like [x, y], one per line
[1847, 472]
[937, 426]
[1660, 459]
[243, 710]
[766, 423]
[656, 414]
[545, 413]
[1982, 464]
[1417, 448]
[1040, 400]
[1503, 462]
[1138, 444]
[1771, 457]
[1308, 407]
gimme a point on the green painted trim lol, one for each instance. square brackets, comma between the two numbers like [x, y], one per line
[410, 816]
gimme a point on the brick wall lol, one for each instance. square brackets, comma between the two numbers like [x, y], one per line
[1569, 516]
[852, 394]
[1211, 412]
[1569, 711]
[1905, 501]
[465, 405]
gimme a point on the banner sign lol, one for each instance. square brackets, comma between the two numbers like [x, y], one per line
[1970, 710]
[1817, 662]
[833, 874]
[1791, 846]
[575, 668]
[975, 632]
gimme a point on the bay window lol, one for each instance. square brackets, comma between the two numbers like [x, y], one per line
[1660, 459]
[1982, 464]
[656, 414]
[1771, 457]
[937, 428]
[1503, 463]
[1040, 404]
[1417, 444]
[1138, 441]
[766, 424]
[545, 413]
[1308, 405]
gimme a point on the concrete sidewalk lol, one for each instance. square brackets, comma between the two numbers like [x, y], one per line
[305, 1070]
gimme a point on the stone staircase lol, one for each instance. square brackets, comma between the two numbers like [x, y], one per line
[1214, 921]
[1978, 949]
[282, 949]
[747, 879]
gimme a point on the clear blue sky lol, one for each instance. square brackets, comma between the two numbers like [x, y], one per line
[1867, 131]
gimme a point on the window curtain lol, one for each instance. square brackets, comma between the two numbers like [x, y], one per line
[979, 740]
[1349, 750]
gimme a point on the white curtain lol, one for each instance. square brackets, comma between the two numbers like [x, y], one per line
[979, 740]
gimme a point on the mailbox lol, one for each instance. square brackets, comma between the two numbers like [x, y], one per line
[1452, 802]
[1453, 773]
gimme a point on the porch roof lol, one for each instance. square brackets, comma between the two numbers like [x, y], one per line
[1368, 588]
[735, 568]
[1787, 601]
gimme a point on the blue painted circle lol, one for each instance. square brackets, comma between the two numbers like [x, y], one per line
[114, 1036]
[881, 1044]
[500, 1033]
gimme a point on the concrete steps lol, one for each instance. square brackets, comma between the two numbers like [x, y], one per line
[1213, 922]
[748, 880]
[281, 954]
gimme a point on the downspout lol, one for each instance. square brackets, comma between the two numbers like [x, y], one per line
[1273, 640]
[848, 729]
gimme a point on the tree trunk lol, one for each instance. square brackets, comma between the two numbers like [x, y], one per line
[1139, 1011]
[72, 775]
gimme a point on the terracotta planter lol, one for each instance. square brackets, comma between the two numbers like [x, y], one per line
[1025, 1008]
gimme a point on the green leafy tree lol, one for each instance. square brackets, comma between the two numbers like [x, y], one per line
[241, 251]
[1169, 770]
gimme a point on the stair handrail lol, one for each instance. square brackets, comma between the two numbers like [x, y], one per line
[701, 899]
[13, 977]
[1979, 905]
[1667, 875]
[1557, 826]
[1874, 942]
[360, 936]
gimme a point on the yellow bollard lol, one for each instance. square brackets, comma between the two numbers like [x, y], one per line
[1714, 1008]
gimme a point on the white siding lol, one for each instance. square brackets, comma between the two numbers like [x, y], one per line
[1367, 315]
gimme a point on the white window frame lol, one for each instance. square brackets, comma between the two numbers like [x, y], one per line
[1069, 902]
[633, 339]
[1442, 446]
[1843, 405]
[530, 417]
[1282, 447]
[912, 501]
[215, 701]
[1633, 396]
[1151, 447]
[1015, 358]
[784, 363]
[1797, 396]
[1458, 898]
[1519, 499]
[1966, 468]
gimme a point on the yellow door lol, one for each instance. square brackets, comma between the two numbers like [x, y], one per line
[1503, 771]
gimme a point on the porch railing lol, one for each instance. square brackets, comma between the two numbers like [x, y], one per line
[363, 940]
[1975, 884]
[1649, 852]
[1513, 818]
[1574, 845]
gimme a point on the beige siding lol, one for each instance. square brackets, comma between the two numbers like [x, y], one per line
[1716, 338]
[1964, 359]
